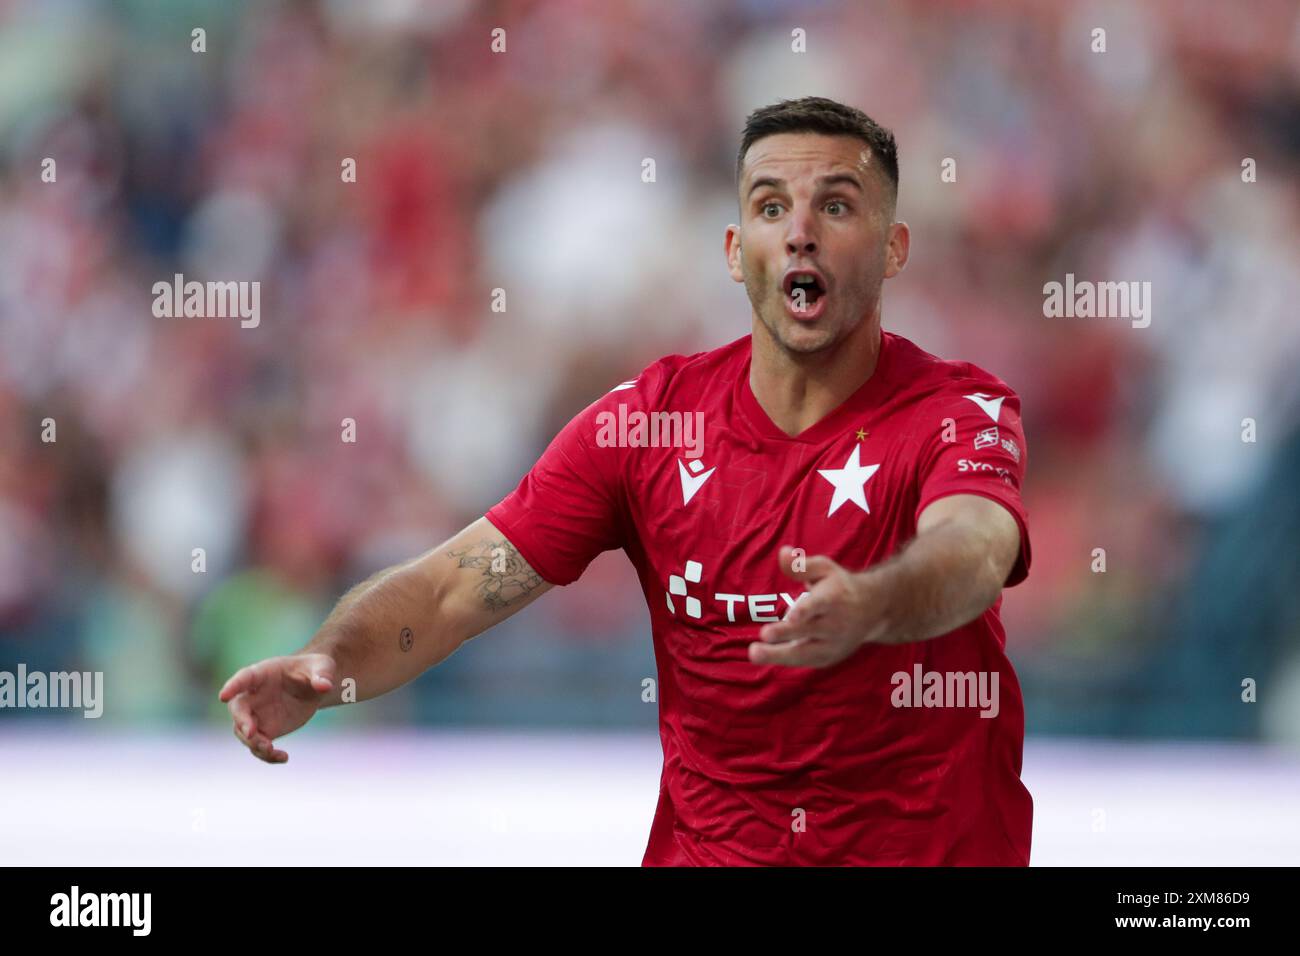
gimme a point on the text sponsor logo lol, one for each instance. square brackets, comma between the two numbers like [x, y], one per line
[755, 608]
[968, 465]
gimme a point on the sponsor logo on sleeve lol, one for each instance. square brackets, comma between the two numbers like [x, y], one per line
[965, 465]
[987, 438]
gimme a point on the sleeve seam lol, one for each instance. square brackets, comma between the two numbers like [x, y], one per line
[524, 546]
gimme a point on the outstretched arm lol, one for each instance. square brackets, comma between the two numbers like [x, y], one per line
[398, 623]
[948, 575]
[384, 632]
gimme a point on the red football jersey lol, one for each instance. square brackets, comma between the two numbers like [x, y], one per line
[864, 762]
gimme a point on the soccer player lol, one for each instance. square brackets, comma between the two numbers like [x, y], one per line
[823, 579]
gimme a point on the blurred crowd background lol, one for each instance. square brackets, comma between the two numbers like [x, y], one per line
[522, 171]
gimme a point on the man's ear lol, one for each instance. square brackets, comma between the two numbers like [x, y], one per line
[734, 267]
[898, 249]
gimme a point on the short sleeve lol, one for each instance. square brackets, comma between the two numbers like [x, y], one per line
[975, 445]
[567, 509]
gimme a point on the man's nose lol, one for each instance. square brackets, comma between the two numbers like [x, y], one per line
[801, 239]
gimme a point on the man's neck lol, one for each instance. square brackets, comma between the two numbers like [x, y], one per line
[797, 391]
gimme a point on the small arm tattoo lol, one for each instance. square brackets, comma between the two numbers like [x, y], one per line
[507, 577]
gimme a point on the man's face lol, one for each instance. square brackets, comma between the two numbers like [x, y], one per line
[813, 202]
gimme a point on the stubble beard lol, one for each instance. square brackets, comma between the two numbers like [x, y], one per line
[794, 339]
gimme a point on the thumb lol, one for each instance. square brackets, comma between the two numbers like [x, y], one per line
[316, 671]
[803, 568]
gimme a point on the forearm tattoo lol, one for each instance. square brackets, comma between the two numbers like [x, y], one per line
[507, 577]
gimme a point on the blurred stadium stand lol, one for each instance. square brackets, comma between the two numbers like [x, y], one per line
[522, 171]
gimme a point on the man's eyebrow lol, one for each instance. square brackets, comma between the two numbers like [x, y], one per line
[846, 179]
[830, 179]
[766, 181]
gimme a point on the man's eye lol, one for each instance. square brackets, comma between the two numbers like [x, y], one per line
[836, 203]
[769, 205]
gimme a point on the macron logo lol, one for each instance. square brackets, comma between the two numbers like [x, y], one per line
[692, 480]
[992, 406]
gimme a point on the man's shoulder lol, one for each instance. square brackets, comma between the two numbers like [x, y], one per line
[676, 375]
[934, 377]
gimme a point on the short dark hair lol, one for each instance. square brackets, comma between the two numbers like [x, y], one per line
[816, 114]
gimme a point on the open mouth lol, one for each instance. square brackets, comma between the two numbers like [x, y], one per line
[803, 290]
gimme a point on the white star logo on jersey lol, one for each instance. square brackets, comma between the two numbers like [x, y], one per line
[850, 482]
[692, 481]
[992, 406]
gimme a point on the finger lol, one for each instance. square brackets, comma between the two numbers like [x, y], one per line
[267, 751]
[814, 567]
[811, 606]
[245, 679]
[262, 748]
[320, 683]
[803, 652]
[234, 685]
[315, 671]
[782, 632]
[246, 737]
[324, 667]
[258, 744]
[241, 711]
